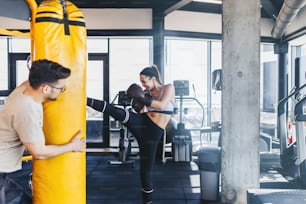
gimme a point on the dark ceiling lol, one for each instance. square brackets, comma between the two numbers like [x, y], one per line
[270, 8]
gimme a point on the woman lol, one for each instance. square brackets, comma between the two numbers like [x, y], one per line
[155, 106]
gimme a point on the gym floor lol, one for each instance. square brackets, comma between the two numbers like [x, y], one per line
[174, 182]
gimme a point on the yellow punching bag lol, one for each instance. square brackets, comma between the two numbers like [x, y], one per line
[59, 34]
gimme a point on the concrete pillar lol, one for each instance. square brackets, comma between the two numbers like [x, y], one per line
[240, 99]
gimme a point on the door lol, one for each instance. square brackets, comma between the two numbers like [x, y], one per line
[97, 86]
[17, 72]
[18, 69]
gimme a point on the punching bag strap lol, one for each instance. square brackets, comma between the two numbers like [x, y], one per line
[65, 18]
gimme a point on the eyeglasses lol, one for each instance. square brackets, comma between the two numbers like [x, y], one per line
[62, 89]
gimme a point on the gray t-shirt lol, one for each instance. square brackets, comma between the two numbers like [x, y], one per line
[21, 120]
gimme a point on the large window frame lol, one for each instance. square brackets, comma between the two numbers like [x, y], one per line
[211, 60]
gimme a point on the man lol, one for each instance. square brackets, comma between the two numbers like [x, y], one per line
[21, 122]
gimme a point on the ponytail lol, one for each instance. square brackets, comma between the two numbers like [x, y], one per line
[152, 72]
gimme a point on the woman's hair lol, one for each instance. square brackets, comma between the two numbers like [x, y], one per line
[152, 72]
[46, 71]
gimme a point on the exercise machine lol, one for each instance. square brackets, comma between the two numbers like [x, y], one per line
[283, 159]
[181, 94]
[300, 119]
[292, 155]
[182, 141]
[292, 151]
[125, 137]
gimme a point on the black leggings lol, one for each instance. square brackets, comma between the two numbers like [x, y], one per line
[147, 133]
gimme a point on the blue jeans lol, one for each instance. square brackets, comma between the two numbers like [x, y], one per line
[11, 192]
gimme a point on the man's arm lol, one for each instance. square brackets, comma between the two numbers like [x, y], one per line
[41, 151]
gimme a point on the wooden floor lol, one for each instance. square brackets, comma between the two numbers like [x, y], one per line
[174, 182]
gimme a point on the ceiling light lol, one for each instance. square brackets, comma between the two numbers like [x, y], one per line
[210, 1]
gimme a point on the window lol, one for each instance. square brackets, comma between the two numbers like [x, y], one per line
[128, 57]
[269, 89]
[187, 60]
[216, 63]
[3, 64]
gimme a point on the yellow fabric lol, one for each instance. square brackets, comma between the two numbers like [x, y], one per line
[33, 7]
[26, 158]
[15, 33]
[62, 179]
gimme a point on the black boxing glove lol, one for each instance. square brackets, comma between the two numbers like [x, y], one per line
[135, 91]
[136, 105]
[147, 99]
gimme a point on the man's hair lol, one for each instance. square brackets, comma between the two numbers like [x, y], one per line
[46, 71]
